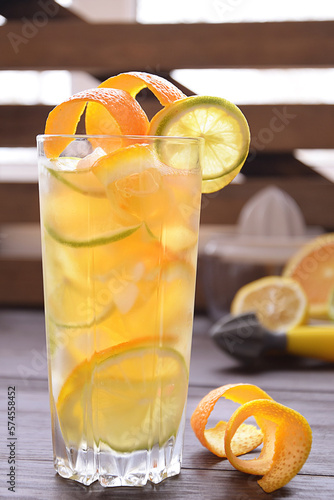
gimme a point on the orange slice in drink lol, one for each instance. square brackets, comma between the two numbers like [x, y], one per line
[313, 268]
[121, 114]
[130, 162]
[287, 436]
[133, 177]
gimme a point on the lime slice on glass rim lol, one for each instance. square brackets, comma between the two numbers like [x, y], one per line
[136, 392]
[222, 126]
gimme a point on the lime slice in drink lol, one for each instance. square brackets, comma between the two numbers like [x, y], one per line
[75, 304]
[77, 174]
[222, 126]
[128, 398]
[96, 240]
[75, 209]
[81, 219]
[84, 182]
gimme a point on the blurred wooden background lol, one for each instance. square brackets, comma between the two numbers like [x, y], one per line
[65, 41]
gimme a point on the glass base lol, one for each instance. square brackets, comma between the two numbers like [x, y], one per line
[111, 468]
[126, 469]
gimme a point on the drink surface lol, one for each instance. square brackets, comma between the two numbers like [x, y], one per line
[119, 260]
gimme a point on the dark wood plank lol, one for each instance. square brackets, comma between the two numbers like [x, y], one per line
[22, 339]
[285, 128]
[277, 165]
[19, 202]
[274, 128]
[101, 48]
[21, 281]
[24, 123]
[34, 10]
[315, 197]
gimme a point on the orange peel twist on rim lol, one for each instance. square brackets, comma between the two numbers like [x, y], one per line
[132, 83]
[120, 114]
[287, 436]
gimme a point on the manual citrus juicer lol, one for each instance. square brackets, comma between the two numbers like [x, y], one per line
[270, 229]
[245, 338]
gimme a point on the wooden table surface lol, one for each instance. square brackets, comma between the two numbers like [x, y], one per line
[305, 385]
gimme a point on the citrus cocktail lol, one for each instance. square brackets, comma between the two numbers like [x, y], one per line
[119, 216]
[119, 234]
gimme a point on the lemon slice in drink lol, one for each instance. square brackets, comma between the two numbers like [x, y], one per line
[222, 126]
[128, 398]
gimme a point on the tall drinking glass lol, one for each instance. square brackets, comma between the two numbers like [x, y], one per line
[119, 222]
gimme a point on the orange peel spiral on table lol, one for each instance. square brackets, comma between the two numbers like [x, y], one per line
[286, 434]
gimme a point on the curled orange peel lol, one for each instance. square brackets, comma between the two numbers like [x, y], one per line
[111, 109]
[239, 393]
[115, 112]
[287, 436]
[133, 82]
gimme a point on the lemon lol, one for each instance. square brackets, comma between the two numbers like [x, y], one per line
[128, 398]
[279, 302]
[222, 126]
